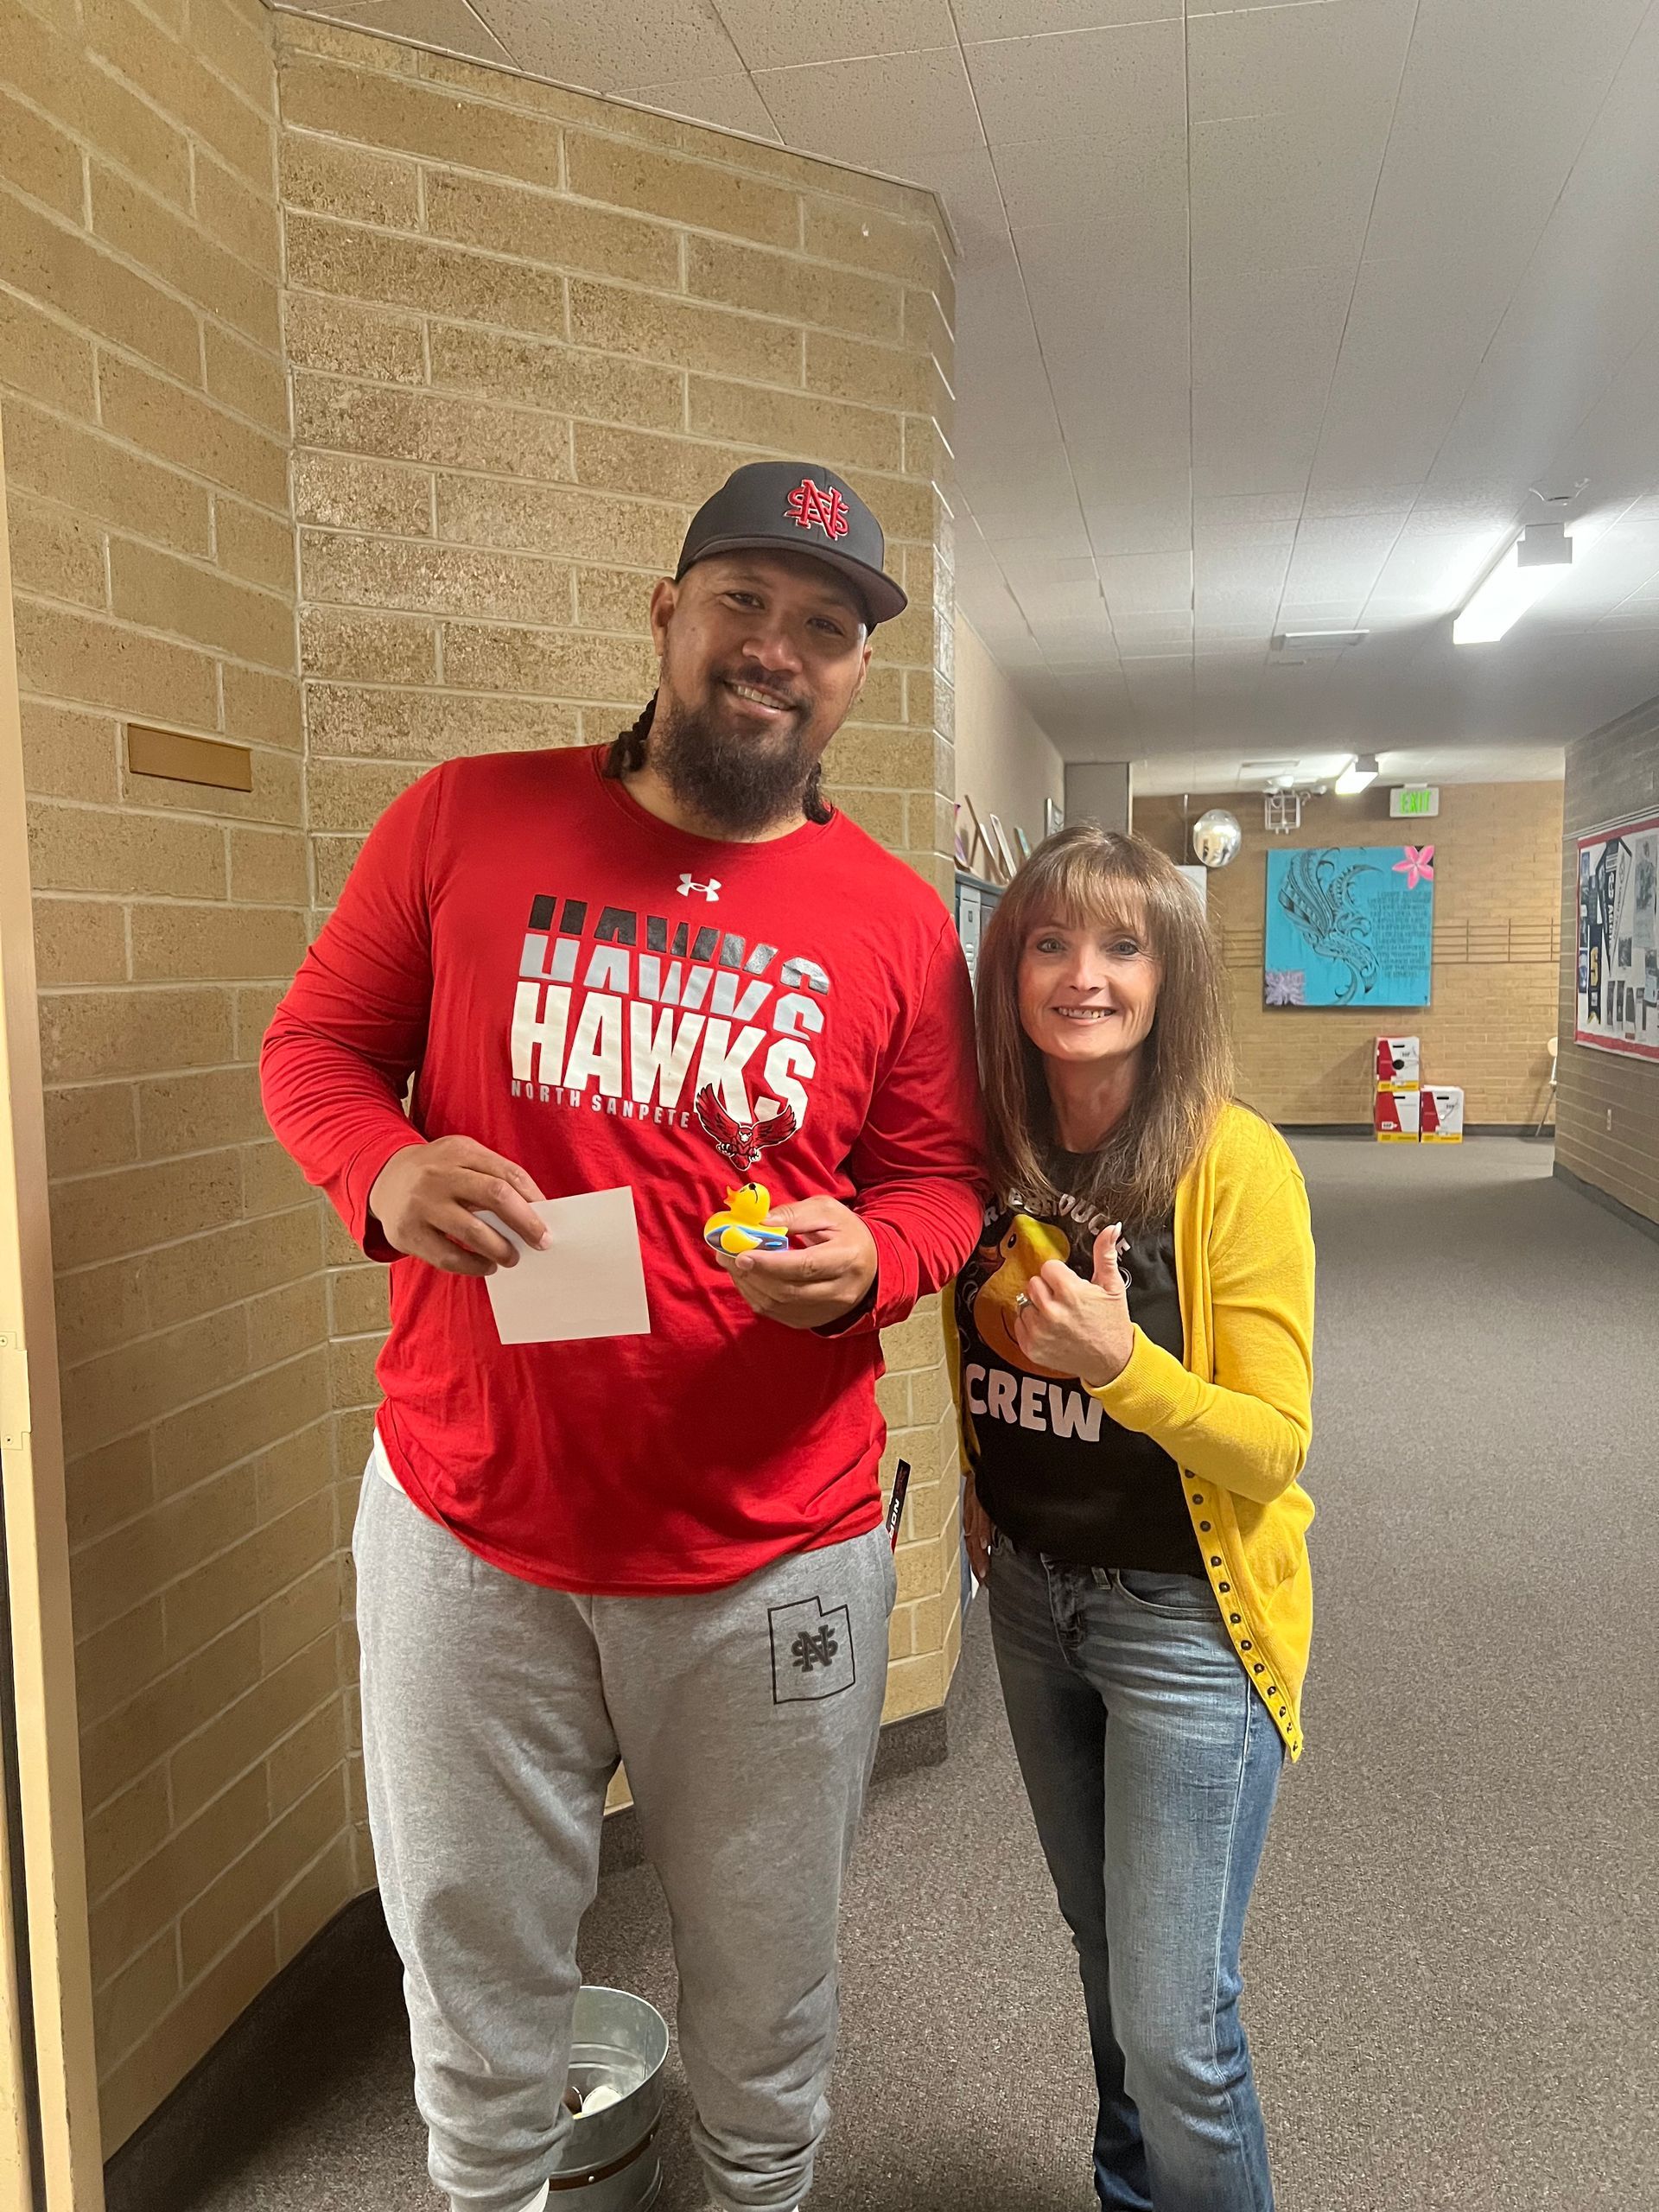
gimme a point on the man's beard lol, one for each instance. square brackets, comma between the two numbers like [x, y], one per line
[738, 785]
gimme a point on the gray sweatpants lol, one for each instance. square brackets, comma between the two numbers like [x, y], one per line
[494, 1714]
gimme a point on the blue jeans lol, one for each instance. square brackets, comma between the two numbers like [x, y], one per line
[1151, 1766]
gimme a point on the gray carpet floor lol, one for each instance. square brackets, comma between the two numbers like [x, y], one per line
[1453, 1958]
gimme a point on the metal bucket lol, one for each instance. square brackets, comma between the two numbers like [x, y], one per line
[610, 2162]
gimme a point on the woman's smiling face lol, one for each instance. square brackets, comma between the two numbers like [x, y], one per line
[1088, 990]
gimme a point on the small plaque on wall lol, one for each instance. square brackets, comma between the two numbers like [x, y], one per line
[185, 759]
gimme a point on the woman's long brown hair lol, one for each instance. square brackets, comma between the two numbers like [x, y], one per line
[1088, 876]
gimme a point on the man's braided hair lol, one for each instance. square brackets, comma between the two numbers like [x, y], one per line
[627, 756]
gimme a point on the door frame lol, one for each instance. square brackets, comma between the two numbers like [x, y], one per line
[52, 2097]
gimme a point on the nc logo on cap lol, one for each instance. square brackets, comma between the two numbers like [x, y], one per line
[810, 505]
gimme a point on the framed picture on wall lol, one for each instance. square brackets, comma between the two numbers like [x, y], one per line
[1349, 925]
[1053, 818]
[1618, 1003]
[979, 841]
[999, 840]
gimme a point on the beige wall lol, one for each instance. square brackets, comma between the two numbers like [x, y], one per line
[1608, 1119]
[524, 333]
[519, 368]
[146, 424]
[1004, 762]
[1497, 901]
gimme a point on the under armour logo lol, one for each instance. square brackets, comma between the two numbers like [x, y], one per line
[811, 504]
[710, 891]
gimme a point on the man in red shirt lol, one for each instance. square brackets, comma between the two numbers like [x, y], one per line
[644, 966]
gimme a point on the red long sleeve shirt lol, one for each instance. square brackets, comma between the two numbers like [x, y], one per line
[561, 973]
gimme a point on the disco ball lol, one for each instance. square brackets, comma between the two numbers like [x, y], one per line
[1217, 837]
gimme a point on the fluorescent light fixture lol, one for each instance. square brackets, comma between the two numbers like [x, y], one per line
[1358, 776]
[1538, 557]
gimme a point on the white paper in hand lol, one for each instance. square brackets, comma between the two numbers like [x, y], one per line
[590, 1281]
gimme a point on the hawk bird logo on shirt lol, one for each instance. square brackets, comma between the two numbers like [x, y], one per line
[742, 1143]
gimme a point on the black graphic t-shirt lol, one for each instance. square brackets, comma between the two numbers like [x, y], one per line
[1053, 1469]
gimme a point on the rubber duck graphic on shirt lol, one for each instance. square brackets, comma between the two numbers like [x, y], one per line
[1023, 1250]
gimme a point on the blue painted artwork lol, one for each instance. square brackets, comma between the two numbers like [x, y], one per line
[1349, 925]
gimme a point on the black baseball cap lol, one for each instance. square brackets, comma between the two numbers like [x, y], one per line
[795, 506]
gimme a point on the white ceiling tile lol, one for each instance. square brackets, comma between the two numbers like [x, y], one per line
[1394, 397]
[1066, 538]
[449, 25]
[1438, 568]
[1119, 92]
[601, 48]
[729, 103]
[1340, 560]
[1282, 192]
[1062, 607]
[1126, 526]
[1123, 228]
[1250, 540]
[1028, 566]
[1481, 148]
[777, 34]
[992, 19]
[1243, 510]
[1151, 631]
[1328, 501]
[1264, 349]
[1236, 565]
[966, 182]
[870, 113]
[1135, 195]
[1148, 582]
[1345, 56]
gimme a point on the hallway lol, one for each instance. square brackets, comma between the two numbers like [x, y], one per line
[1456, 1935]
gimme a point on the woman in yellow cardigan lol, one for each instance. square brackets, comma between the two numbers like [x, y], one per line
[1131, 1351]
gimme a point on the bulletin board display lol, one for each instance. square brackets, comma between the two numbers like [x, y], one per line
[1618, 939]
[1349, 925]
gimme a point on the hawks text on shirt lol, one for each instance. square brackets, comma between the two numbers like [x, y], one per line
[564, 977]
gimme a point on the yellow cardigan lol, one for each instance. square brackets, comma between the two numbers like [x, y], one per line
[1235, 1415]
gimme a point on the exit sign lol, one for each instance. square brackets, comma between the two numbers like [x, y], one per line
[1414, 799]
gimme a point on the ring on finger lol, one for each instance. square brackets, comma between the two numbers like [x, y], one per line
[1020, 1303]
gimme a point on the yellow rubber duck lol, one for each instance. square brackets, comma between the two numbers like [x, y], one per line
[1025, 1247]
[742, 1226]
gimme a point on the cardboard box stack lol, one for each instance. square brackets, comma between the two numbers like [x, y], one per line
[1404, 1111]
[1399, 1076]
[1397, 1116]
[1442, 1114]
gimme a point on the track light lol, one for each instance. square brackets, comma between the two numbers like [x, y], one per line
[1358, 776]
[1538, 557]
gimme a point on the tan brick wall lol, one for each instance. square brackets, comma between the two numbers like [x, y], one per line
[522, 333]
[145, 414]
[1608, 1118]
[1496, 943]
[530, 333]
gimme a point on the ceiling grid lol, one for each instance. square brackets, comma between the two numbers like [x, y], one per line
[1270, 318]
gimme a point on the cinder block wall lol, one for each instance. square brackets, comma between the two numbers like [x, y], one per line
[1496, 940]
[530, 331]
[145, 413]
[524, 333]
[1609, 1113]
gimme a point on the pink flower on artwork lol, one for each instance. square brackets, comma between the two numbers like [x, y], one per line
[1417, 866]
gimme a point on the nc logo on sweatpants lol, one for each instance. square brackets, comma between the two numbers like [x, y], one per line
[811, 1652]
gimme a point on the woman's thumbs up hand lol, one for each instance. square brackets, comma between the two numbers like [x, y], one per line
[1073, 1327]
